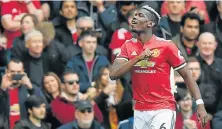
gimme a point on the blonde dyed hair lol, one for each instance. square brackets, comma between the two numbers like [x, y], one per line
[47, 29]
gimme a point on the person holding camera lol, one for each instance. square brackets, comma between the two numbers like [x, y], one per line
[15, 88]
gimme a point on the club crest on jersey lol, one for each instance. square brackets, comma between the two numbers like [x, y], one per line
[156, 53]
[145, 64]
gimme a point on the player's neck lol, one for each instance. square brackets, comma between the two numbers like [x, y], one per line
[144, 38]
[175, 18]
[188, 43]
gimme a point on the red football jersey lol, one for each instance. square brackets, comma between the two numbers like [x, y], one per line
[151, 77]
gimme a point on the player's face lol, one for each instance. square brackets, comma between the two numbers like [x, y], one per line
[194, 68]
[139, 21]
[191, 29]
[176, 6]
[186, 104]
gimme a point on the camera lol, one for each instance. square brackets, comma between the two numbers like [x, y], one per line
[17, 77]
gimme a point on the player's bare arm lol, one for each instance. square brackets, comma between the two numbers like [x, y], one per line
[194, 89]
[121, 66]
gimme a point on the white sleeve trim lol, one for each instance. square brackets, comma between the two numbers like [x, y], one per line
[181, 66]
[122, 58]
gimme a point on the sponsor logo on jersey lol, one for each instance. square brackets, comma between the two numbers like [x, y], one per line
[145, 64]
[145, 71]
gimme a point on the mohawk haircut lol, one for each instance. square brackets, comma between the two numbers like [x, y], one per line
[152, 14]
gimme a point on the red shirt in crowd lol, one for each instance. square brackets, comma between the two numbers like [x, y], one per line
[151, 77]
[74, 36]
[64, 111]
[200, 5]
[14, 112]
[118, 39]
[89, 65]
[15, 8]
[180, 121]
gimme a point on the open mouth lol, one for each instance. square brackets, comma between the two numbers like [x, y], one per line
[134, 22]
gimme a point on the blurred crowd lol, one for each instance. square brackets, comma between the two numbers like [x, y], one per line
[55, 58]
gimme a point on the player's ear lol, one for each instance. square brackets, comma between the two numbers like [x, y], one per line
[150, 24]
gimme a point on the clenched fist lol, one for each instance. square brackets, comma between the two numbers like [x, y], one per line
[145, 54]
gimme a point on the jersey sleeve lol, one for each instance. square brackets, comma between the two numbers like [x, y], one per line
[175, 57]
[123, 53]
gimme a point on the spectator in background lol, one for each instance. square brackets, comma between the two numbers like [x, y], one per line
[56, 54]
[35, 63]
[16, 87]
[215, 27]
[108, 94]
[198, 7]
[83, 24]
[65, 24]
[84, 115]
[62, 106]
[169, 25]
[12, 13]
[52, 88]
[28, 23]
[122, 7]
[121, 35]
[211, 69]
[36, 107]
[186, 117]
[51, 8]
[88, 63]
[207, 90]
[189, 31]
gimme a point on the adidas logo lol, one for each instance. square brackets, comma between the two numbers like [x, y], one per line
[134, 53]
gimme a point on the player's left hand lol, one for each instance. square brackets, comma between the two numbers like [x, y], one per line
[202, 115]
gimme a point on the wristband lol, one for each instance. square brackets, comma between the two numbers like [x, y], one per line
[199, 101]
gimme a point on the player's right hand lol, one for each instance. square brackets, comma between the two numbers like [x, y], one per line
[145, 54]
